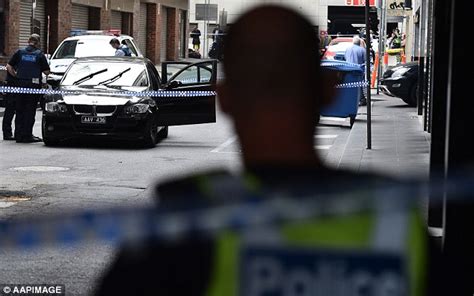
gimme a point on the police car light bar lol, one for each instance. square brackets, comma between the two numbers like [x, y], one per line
[80, 32]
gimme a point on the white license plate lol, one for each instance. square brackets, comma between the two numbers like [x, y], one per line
[93, 119]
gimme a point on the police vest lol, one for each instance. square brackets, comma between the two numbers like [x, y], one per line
[377, 251]
[29, 68]
[126, 51]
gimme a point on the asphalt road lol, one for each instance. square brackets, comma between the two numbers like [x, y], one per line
[94, 175]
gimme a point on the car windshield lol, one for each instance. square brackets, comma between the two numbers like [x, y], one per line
[84, 48]
[117, 74]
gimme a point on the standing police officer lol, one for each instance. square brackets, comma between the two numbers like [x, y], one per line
[26, 66]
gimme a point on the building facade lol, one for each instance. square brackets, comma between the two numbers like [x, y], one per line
[333, 16]
[159, 27]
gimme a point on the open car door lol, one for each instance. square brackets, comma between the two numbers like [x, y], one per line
[189, 78]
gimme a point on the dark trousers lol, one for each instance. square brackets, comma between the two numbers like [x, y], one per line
[25, 115]
[8, 115]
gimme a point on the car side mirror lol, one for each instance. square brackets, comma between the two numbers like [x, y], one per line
[174, 84]
[48, 56]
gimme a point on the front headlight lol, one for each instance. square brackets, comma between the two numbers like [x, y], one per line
[137, 109]
[400, 72]
[54, 107]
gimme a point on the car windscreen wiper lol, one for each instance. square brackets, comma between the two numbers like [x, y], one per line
[113, 79]
[85, 78]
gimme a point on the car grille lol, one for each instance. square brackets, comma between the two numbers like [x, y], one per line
[87, 109]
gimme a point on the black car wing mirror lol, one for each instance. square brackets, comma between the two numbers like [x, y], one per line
[174, 84]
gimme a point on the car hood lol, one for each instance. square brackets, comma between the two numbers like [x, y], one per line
[60, 66]
[99, 97]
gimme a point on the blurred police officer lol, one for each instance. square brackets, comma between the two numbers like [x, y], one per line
[275, 123]
[26, 66]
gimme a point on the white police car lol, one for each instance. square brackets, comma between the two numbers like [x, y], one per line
[86, 44]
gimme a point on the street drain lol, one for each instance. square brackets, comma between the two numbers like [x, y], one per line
[40, 169]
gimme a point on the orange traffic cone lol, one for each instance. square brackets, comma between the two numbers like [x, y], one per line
[385, 59]
[376, 68]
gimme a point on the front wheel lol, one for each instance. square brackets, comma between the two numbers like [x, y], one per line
[163, 134]
[48, 140]
[151, 134]
[412, 100]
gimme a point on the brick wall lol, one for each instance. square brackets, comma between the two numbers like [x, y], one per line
[100, 18]
[12, 32]
[154, 32]
[136, 19]
[172, 52]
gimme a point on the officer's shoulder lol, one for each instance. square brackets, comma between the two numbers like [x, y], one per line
[183, 186]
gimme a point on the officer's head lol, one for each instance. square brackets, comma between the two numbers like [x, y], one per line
[115, 43]
[34, 40]
[272, 77]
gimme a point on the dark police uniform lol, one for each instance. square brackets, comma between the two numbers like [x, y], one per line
[9, 111]
[29, 64]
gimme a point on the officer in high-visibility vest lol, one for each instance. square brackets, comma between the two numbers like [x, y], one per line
[273, 92]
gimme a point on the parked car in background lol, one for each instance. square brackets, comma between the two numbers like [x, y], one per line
[86, 44]
[337, 48]
[97, 107]
[402, 81]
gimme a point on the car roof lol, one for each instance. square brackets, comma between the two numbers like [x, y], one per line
[342, 39]
[113, 59]
[97, 37]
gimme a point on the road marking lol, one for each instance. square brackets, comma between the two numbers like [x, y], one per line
[326, 136]
[224, 145]
[40, 169]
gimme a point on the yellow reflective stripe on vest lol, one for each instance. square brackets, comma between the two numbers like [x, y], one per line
[330, 233]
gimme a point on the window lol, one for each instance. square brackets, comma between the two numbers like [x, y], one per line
[197, 74]
[67, 50]
[131, 46]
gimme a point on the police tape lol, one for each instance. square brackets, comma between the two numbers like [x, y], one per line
[160, 93]
[236, 210]
[134, 225]
[338, 63]
[356, 84]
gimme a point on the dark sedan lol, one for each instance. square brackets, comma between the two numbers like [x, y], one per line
[402, 81]
[104, 97]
